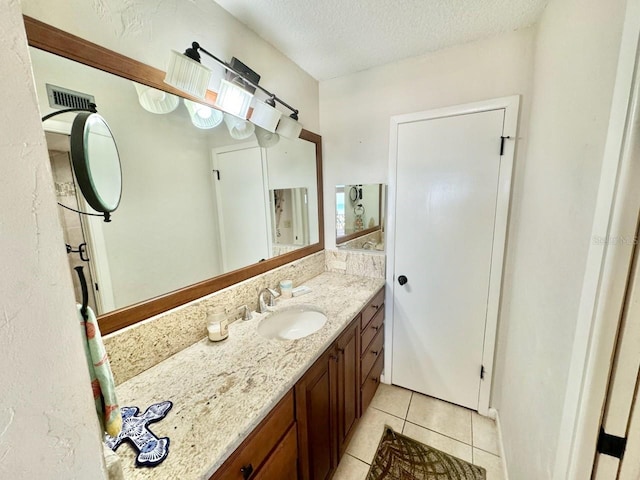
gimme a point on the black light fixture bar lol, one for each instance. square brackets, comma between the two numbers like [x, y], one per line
[195, 47]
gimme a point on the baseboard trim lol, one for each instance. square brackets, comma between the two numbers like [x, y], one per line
[493, 413]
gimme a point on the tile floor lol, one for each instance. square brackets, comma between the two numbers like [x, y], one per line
[452, 429]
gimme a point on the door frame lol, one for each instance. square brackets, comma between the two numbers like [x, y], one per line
[606, 273]
[510, 105]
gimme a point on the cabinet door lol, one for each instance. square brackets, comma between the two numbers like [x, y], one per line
[282, 463]
[315, 411]
[348, 368]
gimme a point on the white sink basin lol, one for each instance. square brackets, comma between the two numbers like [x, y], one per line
[292, 322]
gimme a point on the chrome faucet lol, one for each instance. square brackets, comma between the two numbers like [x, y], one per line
[262, 305]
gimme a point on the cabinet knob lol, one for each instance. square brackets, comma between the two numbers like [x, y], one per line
[375, 352]
[376, 328]
[246, 471]
[333, 357]
[340, 350]
[376, 306]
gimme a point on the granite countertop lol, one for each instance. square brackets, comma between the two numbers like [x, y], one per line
[222, 391]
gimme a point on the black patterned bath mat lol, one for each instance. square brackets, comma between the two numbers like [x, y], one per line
[401, 458]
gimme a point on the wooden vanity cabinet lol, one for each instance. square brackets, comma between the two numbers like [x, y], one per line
[270, 452]
[306, 434]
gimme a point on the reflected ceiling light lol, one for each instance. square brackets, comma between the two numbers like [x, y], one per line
[265, 115]
[156, 101]
[289, 127]
[202, 116]
[187, 74]
[266, 139]
[238, 128]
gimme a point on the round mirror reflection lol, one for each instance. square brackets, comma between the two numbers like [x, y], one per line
[96, 162]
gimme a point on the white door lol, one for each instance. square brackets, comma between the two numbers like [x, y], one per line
[447, 191]
[622, 413]
[242, 207]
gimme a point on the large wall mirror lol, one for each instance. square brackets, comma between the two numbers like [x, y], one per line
[360, 216]
[200, 209]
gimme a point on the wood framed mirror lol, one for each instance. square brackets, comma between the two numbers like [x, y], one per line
[46, 38]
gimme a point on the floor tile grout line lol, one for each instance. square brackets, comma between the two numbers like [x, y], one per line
[384, 411]
[406, 414]
[353, 456]
[472, 442]
[487, 451]
[358, 458]
[440, 433]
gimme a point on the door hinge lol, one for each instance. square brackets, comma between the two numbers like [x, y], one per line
[610, 444]
[502, 139]
[482, 372]
[217, 172]
[96, 285]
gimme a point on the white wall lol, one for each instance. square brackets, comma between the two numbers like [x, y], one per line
[552, 212]
[355, 109]
[147, 31]
[48, 425]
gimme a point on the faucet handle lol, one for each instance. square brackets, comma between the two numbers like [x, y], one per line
[272, 299]
[247, 313]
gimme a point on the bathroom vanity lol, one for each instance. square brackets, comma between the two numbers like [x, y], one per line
[252, 407]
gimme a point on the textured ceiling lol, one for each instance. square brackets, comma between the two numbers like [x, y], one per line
[330, 38]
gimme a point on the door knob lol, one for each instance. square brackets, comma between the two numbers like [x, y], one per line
[402, 279]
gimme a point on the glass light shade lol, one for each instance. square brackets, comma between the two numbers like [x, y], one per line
[202, 116]
[289, 128]
[238, 128]
[266, 138]
[233, 99]
[187, 75]
[156, 101]
[265, 116]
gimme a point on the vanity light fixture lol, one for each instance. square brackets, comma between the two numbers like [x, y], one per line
[202, 116]
[265, 115]
[239, 129]
[154, 100]
[289, 127]
[233, 99]
[186, 73]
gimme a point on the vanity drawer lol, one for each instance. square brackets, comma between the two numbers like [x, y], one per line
[371, 355]
[373, 307]
[372, 330]
[371, 382]
[251, 454]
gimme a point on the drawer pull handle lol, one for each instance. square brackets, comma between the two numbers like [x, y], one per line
[374, 380]
[246, 471]
[341, 350]
[375, 352]
[376, 306]
[375, 327]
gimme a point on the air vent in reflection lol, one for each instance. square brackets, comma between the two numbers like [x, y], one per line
[64, 98]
